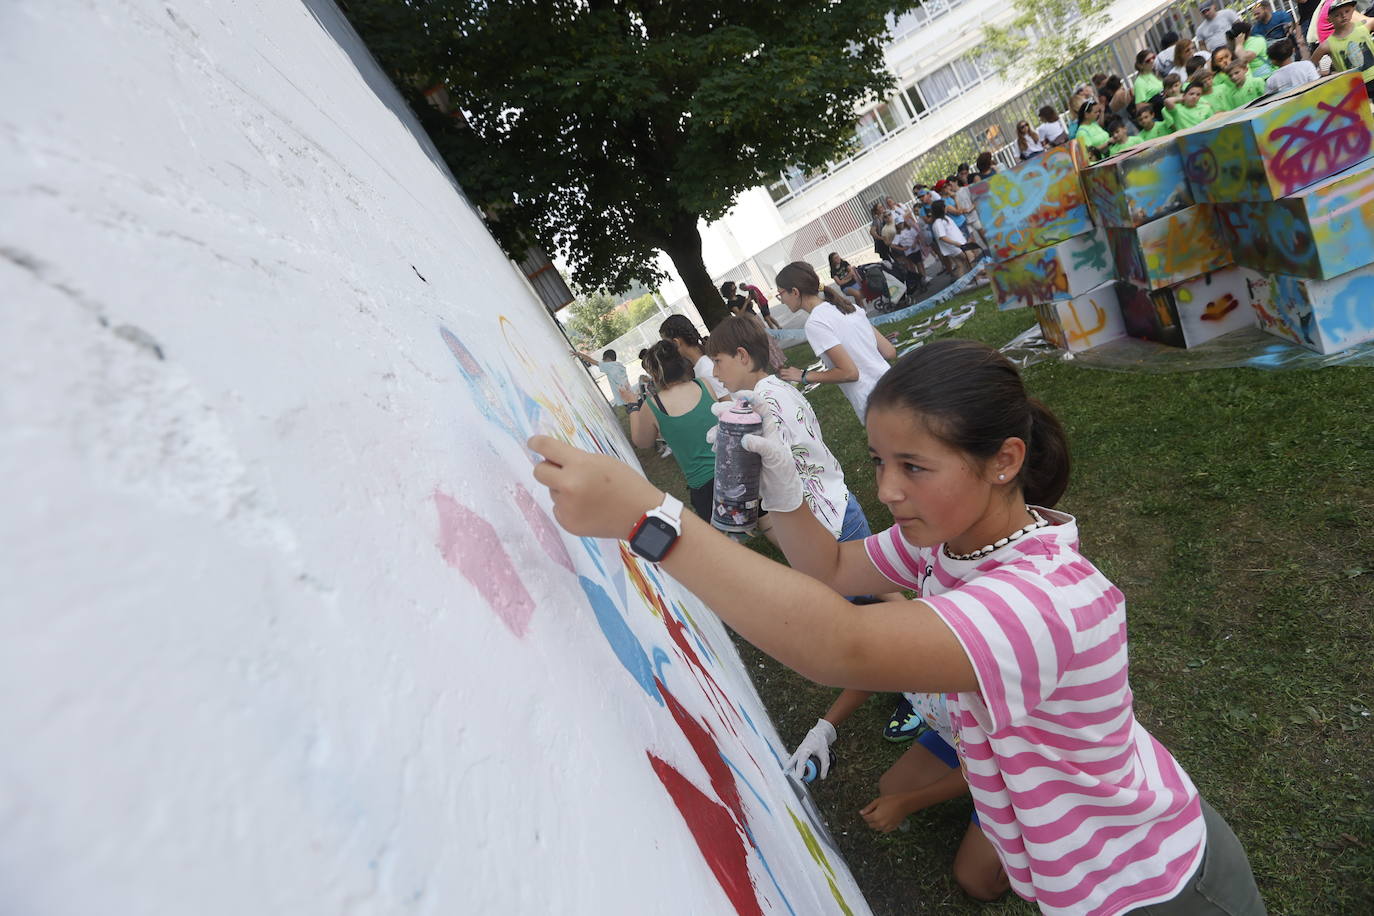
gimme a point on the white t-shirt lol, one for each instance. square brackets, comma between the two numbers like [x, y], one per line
[705, 370]
[964, 198]
[823, 485]
[1291, 76]
[617, 376]
[1212, 33]
[827, 327]
[907, 240]
[1087, 811]
[1051, 134]
[945, 229]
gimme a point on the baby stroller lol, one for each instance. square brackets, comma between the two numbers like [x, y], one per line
[883, 289]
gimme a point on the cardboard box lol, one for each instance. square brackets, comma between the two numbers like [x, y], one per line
[1034, 204]
[1281, 145]
[1320, 232]
[1323, 315]
[1062, 271]
[1171, 249]
[1192, 312]
[1083, 322]
[1139, 185]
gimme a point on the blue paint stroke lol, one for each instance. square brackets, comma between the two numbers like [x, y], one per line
[594, 549]
[766, 867]
[623, 642]
[660, 659]
[1352, 310]
[750, 786]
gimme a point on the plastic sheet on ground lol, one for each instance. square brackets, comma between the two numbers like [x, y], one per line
[1247, 348]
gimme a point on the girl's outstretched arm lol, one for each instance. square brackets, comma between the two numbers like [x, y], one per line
[794, 618]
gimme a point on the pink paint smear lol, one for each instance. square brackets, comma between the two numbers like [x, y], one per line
[471, 545]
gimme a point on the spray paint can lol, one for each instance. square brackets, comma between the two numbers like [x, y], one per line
[735, 509]
[811, 770]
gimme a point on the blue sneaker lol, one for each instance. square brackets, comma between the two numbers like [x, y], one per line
[905, 724]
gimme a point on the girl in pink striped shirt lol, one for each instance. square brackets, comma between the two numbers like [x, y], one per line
[1079, 808]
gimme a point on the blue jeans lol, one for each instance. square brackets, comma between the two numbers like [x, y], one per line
[855, 524]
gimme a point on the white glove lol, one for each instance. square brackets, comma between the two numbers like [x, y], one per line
[780, 486]
[816, 744]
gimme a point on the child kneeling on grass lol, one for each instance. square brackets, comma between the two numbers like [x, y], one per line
[1080, 809]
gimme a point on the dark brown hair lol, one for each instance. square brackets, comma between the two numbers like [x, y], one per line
[666, 365]
[800, 276]
[679, 327]
[973, 398]
[739, 332]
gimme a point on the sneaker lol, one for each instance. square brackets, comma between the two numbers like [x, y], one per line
[905, 723]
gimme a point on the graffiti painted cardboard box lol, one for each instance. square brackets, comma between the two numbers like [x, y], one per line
[1320, 232]
[1323, 315]
[1139, 185]
[1083, 322]
[1171, 249]
[1281, 145]
[1034, 204]
[1192, 312]
[1062, 271]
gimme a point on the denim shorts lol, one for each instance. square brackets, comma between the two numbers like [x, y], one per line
[855, 524]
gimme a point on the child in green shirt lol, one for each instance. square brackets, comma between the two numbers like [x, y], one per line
[1191, 111]
[1216, 96]
[1150, 123]
[1248, 86]
[1121, 138]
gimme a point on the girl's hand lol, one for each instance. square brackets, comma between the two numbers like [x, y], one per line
[885, 813]
[627, 394]
[593, 495]
[790, 374]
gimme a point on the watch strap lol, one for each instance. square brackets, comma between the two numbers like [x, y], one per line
[670, 510]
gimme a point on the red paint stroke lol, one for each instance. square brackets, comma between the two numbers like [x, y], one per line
[703, 743]
[545, 532]
[716, 836]
[471, 545]
[677, 632]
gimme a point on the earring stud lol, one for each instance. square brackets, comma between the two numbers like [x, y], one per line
[1001, 476]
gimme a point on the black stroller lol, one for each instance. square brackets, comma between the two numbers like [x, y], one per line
[882, 285]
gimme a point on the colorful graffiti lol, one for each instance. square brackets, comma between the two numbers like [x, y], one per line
[1323, 315]
[1083, 322]
[1180, 246]
[1059, 272]
[1143, 184]
[651, 638]
[1034, 205]
[1149, 316]
[1276, 149]
[1212, 305]
[1320, 232]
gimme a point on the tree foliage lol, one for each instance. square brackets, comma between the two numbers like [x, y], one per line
[1045, 35]
[594, 322]
[605, 129]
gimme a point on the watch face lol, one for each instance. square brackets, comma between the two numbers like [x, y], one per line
[652, 538]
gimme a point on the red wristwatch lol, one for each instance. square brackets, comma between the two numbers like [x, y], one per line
[658, 530]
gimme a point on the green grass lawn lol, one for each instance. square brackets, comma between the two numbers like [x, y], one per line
[1235, 508]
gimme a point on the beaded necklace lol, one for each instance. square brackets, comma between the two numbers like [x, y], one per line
[1040, 522]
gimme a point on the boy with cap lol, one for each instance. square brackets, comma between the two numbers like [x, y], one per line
[1350, 44]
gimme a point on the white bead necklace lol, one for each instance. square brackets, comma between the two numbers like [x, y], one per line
[1040, 522]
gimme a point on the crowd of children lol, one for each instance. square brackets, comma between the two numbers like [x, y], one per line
[1229, 64]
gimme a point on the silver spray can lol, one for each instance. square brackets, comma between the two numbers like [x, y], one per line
[736, 507]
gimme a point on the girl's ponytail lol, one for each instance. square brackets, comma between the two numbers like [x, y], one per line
[1045, 472]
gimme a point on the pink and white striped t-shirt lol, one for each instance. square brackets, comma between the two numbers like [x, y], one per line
[1088, 812]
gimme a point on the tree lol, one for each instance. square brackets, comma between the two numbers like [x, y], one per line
[595, 322]
[1044, 36]
[606, 129]
[642, 308]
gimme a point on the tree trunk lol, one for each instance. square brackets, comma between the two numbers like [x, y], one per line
[683, 247]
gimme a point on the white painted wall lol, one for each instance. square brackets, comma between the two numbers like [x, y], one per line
[286, 627]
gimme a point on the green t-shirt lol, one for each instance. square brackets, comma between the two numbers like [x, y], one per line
[1092, 135]
[1251, 90]
[1161, 128]
[1219, 99]
[686, 436]
[1185, 117]
[1355, 51]
[1123, 145]
[1260, 66]
[1147, 86]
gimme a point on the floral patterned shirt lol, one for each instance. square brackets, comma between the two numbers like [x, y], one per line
[823, 484]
